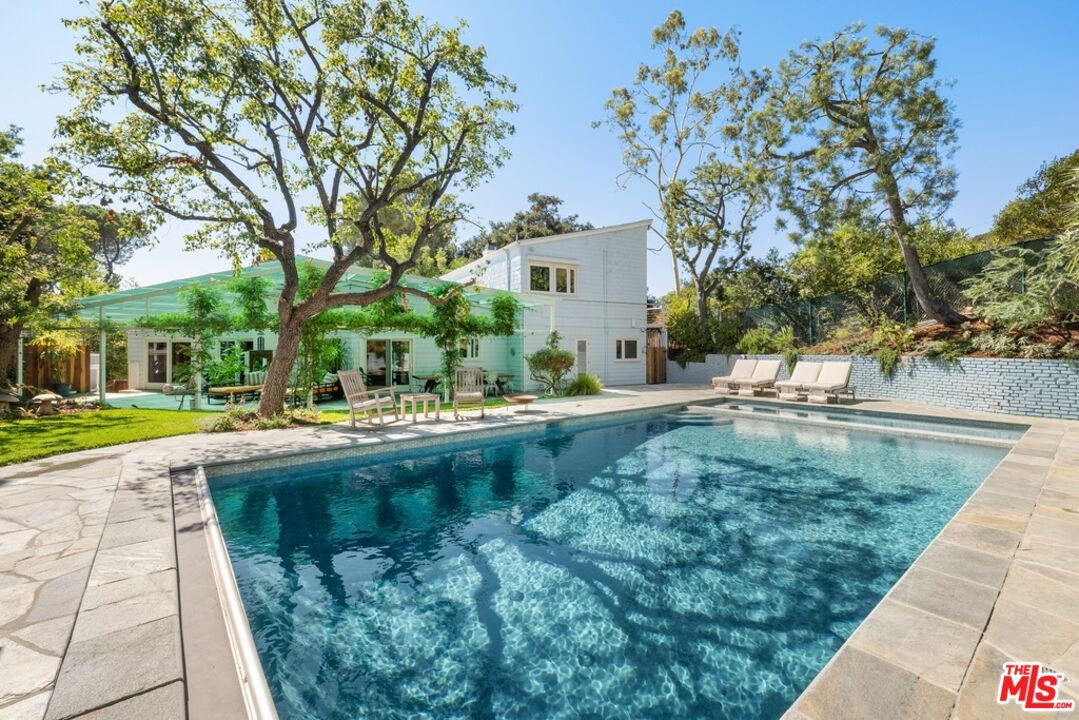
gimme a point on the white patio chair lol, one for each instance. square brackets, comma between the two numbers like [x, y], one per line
[834, 376]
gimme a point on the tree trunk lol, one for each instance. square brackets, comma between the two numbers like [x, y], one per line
[920, 284]
[272, 400]
[674, 266]
[702, 308]
[9, 348]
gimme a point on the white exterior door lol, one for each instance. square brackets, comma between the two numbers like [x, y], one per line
[582, 357]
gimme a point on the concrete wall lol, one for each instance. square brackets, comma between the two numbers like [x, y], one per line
[1042, 388]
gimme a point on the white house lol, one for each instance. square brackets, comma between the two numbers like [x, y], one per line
[590, 286]
[594, 281]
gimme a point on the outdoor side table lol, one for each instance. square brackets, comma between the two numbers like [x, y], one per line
[520, 400]
[425, 398]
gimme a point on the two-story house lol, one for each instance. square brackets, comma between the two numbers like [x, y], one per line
[595, 286]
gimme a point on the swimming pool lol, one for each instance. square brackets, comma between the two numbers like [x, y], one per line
[684, 565]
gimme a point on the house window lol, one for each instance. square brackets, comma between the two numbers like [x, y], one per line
[539, 278]
[558, 279]
[625, 349]
[470, 348]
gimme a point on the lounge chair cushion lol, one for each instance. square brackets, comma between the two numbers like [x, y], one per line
[742, 370]
[805, 372]
[384, 401]
[833, 376]
[764, 375]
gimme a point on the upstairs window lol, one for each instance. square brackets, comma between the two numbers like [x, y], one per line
[548, 278]
[625, 349]
[539, 278]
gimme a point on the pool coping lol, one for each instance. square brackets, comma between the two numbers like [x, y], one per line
[1046, 466]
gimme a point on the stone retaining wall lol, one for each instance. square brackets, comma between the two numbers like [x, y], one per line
[1042, 388]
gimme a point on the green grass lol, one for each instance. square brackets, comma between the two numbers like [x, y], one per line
[36, 438]
[31, 439]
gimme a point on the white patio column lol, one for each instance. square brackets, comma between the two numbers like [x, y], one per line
[19, 363]
[196, 397]
[102, 372]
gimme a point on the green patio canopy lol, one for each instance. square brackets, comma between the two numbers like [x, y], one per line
[124, 307]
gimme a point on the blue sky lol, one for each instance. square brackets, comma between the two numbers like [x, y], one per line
[1015, 65]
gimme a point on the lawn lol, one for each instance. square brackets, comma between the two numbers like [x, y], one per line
[23, 440]
[32, 439]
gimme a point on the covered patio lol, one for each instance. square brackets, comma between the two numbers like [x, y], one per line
[388, 358]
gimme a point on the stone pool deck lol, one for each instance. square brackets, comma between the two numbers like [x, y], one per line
[106, 610]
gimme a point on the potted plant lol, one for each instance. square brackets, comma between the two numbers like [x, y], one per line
[56, 348]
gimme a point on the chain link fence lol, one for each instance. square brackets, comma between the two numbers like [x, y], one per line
[814, 319]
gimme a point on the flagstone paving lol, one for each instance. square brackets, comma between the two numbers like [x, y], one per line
[90, 621]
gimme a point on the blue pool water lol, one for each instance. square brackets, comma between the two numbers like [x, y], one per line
[670, 567]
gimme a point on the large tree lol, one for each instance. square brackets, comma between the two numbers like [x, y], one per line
[349, 123]
[681, 127]
[118, 236]
[866, 133]
[44, 248]
[1044, 205]
[542, 218]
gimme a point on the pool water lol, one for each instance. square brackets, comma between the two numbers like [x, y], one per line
[680, 566]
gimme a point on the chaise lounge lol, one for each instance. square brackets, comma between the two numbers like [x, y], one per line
[805, 373]
[764, 376]
[833, 379]
[742, 370]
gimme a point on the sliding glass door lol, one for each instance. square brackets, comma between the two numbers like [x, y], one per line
[389, 361]
[376, 363]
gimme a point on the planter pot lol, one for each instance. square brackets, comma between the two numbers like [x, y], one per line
[63, 389]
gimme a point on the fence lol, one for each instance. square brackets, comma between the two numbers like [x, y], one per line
[813, 319]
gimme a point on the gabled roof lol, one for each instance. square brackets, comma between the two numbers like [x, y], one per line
[457, 272]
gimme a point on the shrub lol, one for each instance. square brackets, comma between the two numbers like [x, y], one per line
[890, 341]
[948, 351]
[758, 341]
[550, 365]
[585, 384]
[684, 327]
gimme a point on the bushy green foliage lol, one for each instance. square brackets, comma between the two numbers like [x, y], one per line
[948, 351]
[1022, 290]
[1044, 204]
[550, 365]
[890, 340]
[758, 341]
[684, 327]
[762, 341]
[585, 384]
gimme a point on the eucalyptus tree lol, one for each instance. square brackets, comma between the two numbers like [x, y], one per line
[865, 134]
[354, 124]
[680, 124]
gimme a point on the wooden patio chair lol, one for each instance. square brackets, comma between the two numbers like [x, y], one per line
[359, 398]
[468, 389]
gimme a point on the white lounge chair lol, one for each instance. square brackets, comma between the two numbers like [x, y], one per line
[360, 399]
[805, 372]
[742, 370]
[834, 376]
[764, 376]
[468, 389]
